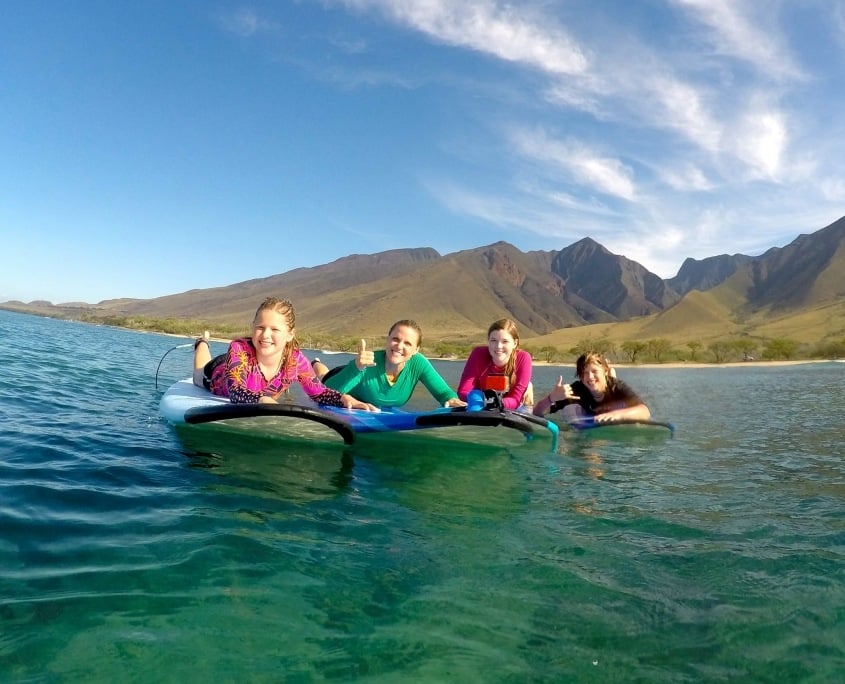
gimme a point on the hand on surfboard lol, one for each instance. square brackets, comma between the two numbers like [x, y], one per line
[365, 357]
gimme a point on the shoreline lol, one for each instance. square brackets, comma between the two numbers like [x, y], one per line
[726, 364]
[672, 365]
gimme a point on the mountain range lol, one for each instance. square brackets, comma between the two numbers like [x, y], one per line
[798, 289]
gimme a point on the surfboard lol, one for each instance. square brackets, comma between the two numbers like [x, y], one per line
[186, 404]
[622, 428]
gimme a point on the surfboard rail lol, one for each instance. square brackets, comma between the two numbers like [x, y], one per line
[591, 424]
[208, 414]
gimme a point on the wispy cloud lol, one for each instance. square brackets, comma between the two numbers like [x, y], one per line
[738, 33]
[761, 140]
[679, 106]
[686, 177]
[670, 136]
[496, 29]
[595, 170]
[833, 189]
[245, 22]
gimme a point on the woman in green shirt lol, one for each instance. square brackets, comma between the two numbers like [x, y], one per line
[387, 377]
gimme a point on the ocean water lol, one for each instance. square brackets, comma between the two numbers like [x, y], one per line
[135, 553]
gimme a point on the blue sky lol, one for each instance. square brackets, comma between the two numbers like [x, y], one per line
[149, 148]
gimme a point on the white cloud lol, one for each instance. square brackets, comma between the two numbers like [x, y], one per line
[833, 189]
[753, 39]
[565, 200]
[569, 96]
[686, 177]
[489, 27]
[496, 210]
[245, 22]
[761, 143]
[727, 146]
[584, 165]
[683, 110]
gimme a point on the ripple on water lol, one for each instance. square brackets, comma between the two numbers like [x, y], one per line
[130, 553]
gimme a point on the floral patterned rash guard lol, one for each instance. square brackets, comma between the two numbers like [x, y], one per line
[239, 377]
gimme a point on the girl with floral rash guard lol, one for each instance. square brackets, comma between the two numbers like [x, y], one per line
[259, 369]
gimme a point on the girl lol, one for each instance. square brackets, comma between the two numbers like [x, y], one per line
[501, 366]
[388, 377]
[597, 395]
[259, 369]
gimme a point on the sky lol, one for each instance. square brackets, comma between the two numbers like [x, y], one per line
[150, 148]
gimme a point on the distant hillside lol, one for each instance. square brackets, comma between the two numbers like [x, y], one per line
[616, 285]
[808, 271]
[581, 289]
[706, 273]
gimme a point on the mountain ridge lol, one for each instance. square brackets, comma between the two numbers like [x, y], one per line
[456, 295]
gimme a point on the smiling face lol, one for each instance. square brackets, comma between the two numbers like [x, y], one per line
[270, 334]
[500, 344]
[594, 377]
[402, 343]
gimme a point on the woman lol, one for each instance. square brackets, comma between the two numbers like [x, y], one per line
[500, 367]
[387, 378]
[261, 368]
[597, 395]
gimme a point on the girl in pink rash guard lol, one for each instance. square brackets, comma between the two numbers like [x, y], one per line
[501, 367]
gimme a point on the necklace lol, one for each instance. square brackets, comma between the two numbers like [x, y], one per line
[392, 375]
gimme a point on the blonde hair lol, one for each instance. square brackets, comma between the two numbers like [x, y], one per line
[283, 307]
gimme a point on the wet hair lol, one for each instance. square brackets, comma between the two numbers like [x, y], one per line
[594, 357]
[283, 307]
[408, 323]
[509, 327]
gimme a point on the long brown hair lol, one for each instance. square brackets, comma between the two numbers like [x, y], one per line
[509, 327]
[284, 307]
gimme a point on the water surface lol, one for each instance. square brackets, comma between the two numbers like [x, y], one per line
[133, 552]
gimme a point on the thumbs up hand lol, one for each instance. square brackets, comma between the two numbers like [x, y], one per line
[365, 358]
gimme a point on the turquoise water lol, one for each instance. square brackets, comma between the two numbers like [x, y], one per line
[131, 552]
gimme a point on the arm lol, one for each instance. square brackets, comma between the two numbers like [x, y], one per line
[321, 394]
[623, 404]
[512, 399]
[240, 366]
[474, 366]
[636, 412]
[347, 378]
[561, 395]
[435, 384]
